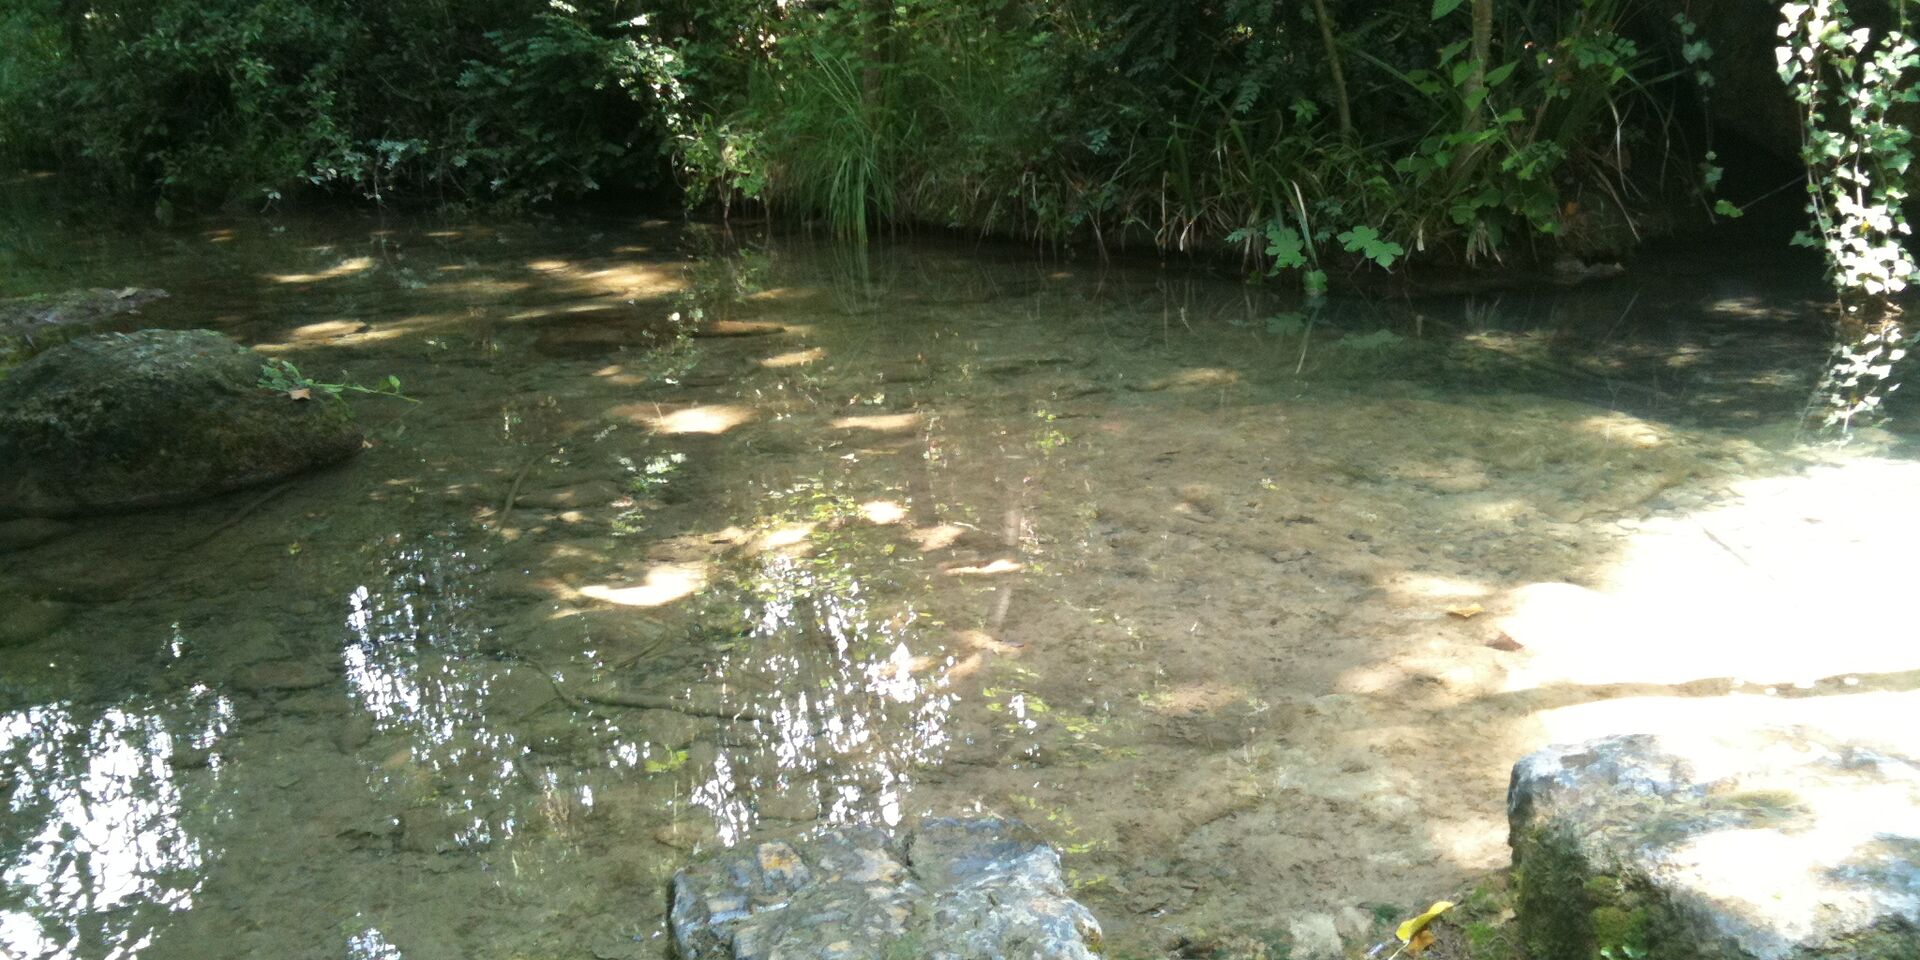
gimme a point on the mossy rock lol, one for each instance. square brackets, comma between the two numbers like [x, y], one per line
[1747, 844]
[124, 421]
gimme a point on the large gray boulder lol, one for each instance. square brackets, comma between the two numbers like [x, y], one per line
[954, 889]
[127, 420]
[1775, 844]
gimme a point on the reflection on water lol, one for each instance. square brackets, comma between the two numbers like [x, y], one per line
[95, 827]
[691, 541]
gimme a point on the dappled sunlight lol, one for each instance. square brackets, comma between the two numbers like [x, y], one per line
[785, 294]
[594, 309]
[939, 537]
[994, 568]
[659, 586]
[1195, 378]
[795, 358]
[1752, 307]
[1421, 588]
[985, 642]
[882, 512]
[414, 325]
[477, 288]
[712, 419]
[787, 538]
[627, 280]
[881, 422]
[1784, 582]
[746, 328]
[345, 268]
[1884, 717]
[325, 331]
[1616, 427]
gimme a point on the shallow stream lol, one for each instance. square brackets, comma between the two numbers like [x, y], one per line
[693, 537]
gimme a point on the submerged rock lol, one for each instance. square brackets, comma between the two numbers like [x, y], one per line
[26, 316]
[1775, 844]
[120, 421]
[30, 532]
[953, 888]
[27, 621]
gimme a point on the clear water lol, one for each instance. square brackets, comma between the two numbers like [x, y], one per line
[694, 537]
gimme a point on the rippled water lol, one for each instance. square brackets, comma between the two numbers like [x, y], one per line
[694, 537]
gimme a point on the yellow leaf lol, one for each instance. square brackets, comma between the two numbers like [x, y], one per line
[1467, 612]
[1418, 924]
[300, 393]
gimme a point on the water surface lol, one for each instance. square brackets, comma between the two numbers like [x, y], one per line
[696, 536]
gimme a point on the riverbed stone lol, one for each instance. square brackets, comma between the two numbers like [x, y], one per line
[29, 532]
[25, 621]
[72, 310]
[130, 420]
[1753, 844]
[1314, 936]
[950, 889]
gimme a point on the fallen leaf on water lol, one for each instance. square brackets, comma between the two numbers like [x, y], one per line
[300, 393]
[1467, 612]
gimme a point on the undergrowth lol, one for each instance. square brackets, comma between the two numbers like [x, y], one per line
[1311, 139]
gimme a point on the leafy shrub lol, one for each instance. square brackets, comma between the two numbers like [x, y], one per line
[211, 100]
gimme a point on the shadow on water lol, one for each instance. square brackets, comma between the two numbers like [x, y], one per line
[694, 539]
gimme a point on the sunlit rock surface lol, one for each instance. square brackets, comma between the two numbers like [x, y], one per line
[1770, 843]
[953, 888]
[121, 421]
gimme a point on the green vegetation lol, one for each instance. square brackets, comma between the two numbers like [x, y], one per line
[281, 376]
[1848, 80]
[1853, 86]
[1300, 136]
[1333, 136]
[210, 101]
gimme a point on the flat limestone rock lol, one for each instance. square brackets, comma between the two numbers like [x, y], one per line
[1758, 844]
[952, 889]
[129, 420]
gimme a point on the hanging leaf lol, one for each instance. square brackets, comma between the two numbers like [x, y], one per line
[1443, 7]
